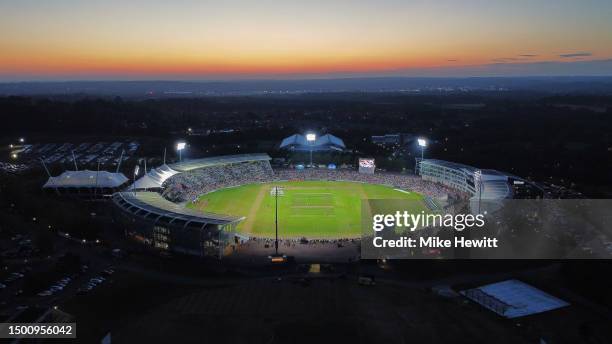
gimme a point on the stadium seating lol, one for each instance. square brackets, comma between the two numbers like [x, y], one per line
[400, 181]
[189, 185]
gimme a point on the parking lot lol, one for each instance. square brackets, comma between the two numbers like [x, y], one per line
[79, 155]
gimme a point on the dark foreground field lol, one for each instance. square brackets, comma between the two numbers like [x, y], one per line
[156, 307]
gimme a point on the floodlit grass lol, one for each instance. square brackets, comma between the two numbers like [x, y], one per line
[312, 209]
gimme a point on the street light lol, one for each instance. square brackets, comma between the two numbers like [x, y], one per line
[311, 138]
[179, 147]
[21, 140]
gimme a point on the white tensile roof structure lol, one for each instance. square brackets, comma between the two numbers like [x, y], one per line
[156, 177]
[325, 142]
[86, 179]
[194, 164]
[513, 299]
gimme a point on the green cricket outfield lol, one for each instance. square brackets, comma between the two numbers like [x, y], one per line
[311, 209]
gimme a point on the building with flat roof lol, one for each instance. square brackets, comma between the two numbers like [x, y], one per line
[513, 299]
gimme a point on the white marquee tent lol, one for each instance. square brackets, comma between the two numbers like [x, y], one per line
[86, 179]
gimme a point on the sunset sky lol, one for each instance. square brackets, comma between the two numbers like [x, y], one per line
[67, 40]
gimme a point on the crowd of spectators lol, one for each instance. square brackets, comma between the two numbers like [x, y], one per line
[399, 181]
[189, 185]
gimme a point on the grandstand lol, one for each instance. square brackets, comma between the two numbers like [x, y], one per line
[154, 219]
[193, 182]
[155, 178]
[398, 181]
[170, 226]
[495, 185]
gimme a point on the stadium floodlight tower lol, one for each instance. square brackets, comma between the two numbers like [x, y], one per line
[311, 138]
[136, 171]
[276, 219]
[179, 147]
[422, 143]
[478, 180]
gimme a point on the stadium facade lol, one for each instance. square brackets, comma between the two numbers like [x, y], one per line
[326, 142]
[149, 218]
[154, 219]
[480, 183]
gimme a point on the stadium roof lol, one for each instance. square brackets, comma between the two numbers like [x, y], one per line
[146, 204]
[513, 299]
[194, 164]
[86, 179]
[495, 184]
[325, 142]
[486, 173]
[156, 177]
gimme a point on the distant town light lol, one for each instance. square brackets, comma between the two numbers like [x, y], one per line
[311, 137]
[422, 142]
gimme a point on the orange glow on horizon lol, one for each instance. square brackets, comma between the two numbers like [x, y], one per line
[189, 66]
[242, 38]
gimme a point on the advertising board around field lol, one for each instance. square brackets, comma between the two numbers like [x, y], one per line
[366, 166]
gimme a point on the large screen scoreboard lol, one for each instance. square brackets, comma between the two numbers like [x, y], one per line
[366, 166]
